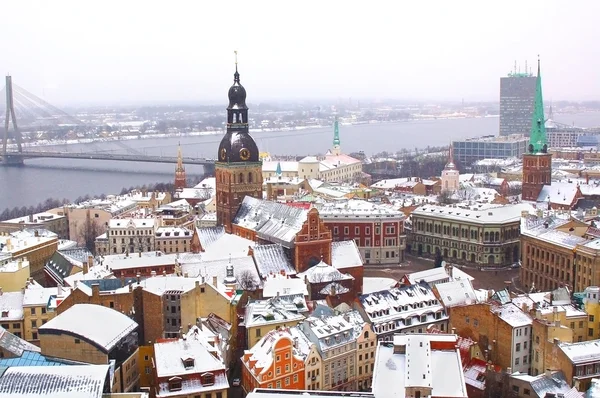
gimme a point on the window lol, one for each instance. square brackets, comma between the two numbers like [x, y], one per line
[278, 384]
[34, 324]
[43, 310]
[208, 379]
[34, 336]
[526, 391]
[517, 361]
[175, 384]
[296, 378]
[147, 370]
[33, 312]
[518, 347]
[219, 395]
[590, 332]
[77, 341]
[515, 389]
[257, 332]
[591, 318]
[287, 381]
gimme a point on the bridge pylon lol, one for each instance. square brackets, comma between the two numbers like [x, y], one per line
[10, 115]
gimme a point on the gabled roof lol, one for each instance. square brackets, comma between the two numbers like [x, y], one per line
[323, 272]
[458, 292]
[561, 193]
[100, 326]
[78, 381]
[259, 358]
[271, 259]
[272, 221]
[15, 345]
[345, 254]
[61, 264]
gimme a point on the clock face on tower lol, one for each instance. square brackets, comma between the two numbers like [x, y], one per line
[244, 154]
[223, 153]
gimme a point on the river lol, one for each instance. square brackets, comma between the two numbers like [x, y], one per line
[41, 179]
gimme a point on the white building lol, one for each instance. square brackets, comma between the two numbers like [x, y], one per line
[407, 309]
[419, 365]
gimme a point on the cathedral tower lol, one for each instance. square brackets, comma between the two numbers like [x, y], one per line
[537, 162]
[238, 170]
[450, 174]
[336, 149]
[179, 172]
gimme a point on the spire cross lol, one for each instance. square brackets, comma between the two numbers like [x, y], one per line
[235, 54]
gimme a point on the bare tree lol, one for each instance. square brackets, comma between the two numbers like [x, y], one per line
[445, 198]
[465, 194]
[246, 280]
[88, 233]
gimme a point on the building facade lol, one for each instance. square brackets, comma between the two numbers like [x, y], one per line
[377, 229]
[517, 91]
[273, 362]
[471, 150]
[477, 235]
[238, 170]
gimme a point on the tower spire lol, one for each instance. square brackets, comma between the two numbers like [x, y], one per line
[180, 180]
[336, 137]
[538, 142]
[236, 75]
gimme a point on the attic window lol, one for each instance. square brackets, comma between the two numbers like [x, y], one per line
[188, 363]
[4, 314]
[208, 379]
[175, 384]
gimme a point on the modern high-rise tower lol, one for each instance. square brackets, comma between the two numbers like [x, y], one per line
[537, 162]
[517, 92]
[238, 170]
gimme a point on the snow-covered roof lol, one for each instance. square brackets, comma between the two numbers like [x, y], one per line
[15, 345]
[286, 166]
[208, 182]
[437, 275]
[457, 292]
[133, 223]
[512, 315]
[582, 352]
[328, 332]
[495, 214]
[11, 306]
[333, 288]
[142, 259]
[345, 254]
[398, 308]
[77, 381]
[196, 267]
[376, 284]
[272, 221]
[101, 326]
[562, 193]
[356, 208]
[170, 356]
[421, 365]
[95, 272]
[37, 296]
[281, 285]
[271, 259]
[322, 273]
[274, 310]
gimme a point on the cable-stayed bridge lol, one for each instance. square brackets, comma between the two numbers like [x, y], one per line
[26, 112]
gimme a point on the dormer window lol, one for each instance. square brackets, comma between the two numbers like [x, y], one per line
[175, 384]
[208, 379]
[188, 363]
[4, 314]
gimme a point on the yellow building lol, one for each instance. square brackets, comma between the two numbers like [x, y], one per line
[262, 316]
[546, 336]
[591, 303]
[95, 334]
[14, 274]
[31, 246]
[50, 221]
[11, 312]
[146, 353]
[313, 378]
[36, 310]
[365, 356]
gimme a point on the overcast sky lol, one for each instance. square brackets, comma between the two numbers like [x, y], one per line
[128, 52]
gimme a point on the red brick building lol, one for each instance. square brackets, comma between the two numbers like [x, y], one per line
[377, 229]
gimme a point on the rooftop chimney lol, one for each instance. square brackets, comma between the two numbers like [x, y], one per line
[548, 373]
[140, 254]
[214, 281]
[86, 268]
[95, 290]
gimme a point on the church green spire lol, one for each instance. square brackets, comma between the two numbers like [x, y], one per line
[538, 142]
[278, 170]
[336, 133]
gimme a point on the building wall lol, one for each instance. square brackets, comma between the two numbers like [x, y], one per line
[255, 333]
[59, 225]
[13, 326]
[130, 374]
[235, 181]
[312, 243]
[33, 318]
[14, 281]
[470, 151]
[313, 368]
[477, 322]
[131, 239]
[544, 347]
[379, 241]
[537, 172]
[466, 243]
[153, 310]
[145, 354]
[78, 217]
[203, 300]
[173, 244]
[337, 363]
[37, 255]
[517, 95]
[365, 352]
[72, 348]
[342, 173]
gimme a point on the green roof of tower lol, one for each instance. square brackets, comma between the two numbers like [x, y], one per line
[336, 133]
[538, 142]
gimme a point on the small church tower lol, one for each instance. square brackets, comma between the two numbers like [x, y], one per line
[238, 170]
[537, 162]
[179, 171]
[450, 174]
